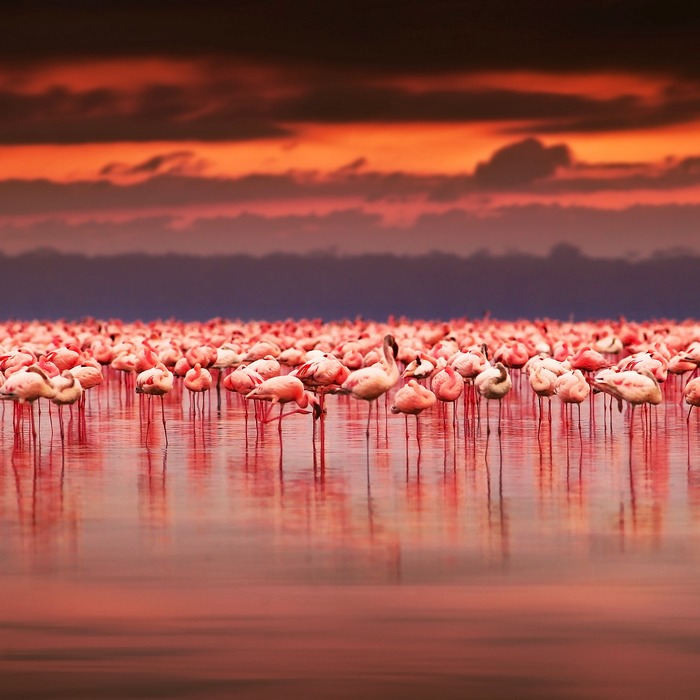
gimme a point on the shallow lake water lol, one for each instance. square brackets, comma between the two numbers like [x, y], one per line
[549, 561]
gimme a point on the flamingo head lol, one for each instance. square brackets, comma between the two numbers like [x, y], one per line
[315, 406]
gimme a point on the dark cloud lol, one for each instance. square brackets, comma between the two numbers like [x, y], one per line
[391, 36]
[177, 162]
[637, 231]
[352, 167]
[621, 114]
[524, 166]
[229, 110]
[521, 163]
[159, 113]
[357, 103]
[18, 197]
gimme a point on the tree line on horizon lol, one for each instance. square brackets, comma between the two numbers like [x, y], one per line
[565, 284]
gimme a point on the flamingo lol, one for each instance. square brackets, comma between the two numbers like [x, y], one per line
[413, 399]
[66, 357]
[633, 387]
[203, 355]
[369, 383]
[422, 367]
[156, 381]
[267, 367]
[588, 360]
[15, 361]
[226, 356]
[282, 390]
[198, 380]
[493, 384]
[262, 349]
[543, 382]
[447, 386]
[469, 365]
[68, 390]
[636, 388]
[572, 388]
[325, 372]
[27, 385]
[691, 392]
[242, 381]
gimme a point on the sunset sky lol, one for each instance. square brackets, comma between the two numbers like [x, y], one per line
[406, 127]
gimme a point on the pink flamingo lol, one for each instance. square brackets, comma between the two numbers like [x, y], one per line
[68, 391]
[636, 388]
[156, 381]
[267, 367]
[15, 361]
[325, 373]
[447, 386]
[469, 365]
[369, 383]
[203, 355]
[691, 392]
[493, 384]
[283, 390]
[543, 382]
[413, 399]
[198, 380]
[27, 385]
[422, 367]
[588, 360]
[242, 381]
[66, 357]
[226, 356]
[572, 388]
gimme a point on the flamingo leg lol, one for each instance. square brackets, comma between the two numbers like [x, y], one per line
[162, 411]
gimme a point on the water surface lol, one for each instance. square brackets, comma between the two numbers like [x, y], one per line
[547, 562]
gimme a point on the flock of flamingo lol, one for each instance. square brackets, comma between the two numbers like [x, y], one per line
[298, 363]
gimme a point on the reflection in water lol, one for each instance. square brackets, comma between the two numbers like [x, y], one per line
[230, 561]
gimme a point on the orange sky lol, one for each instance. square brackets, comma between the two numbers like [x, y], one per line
[393, 127]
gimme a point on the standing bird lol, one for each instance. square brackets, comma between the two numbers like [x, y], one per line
[242, 381]
[543, 382]
[572, 388]
[422, 367]
[691, 392]
[282, 390]
[636, 388]
[226, 356]
[325, 373]
[413, 399]
[198, 380]
[493, 383]
[447, 386]
[156, 381]
[68, 391]
[369, 383]
[27, 385]
[633, 387]
[470, 365]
